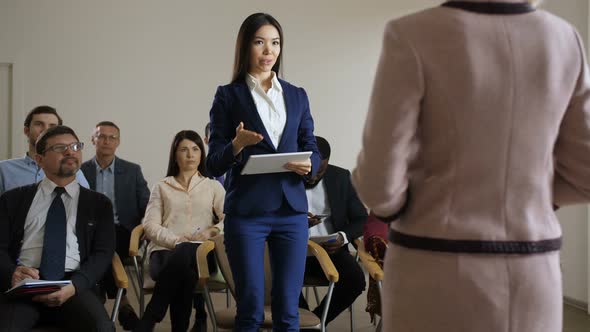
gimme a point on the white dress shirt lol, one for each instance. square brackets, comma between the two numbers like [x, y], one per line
[317, 202]
[270, 106]
[32, 248]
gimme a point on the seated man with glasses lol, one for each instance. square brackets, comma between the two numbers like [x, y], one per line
[123, 183]
[55, 230]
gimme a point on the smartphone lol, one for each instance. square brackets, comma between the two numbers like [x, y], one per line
[321, 216]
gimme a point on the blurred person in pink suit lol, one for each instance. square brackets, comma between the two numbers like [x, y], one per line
[479, 124]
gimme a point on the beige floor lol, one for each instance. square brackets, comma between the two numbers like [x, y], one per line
[575, 320]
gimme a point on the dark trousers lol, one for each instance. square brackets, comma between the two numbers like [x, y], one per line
[82, 312]
[350, 285]
[175, 274]
[122, 236]
[245, 239]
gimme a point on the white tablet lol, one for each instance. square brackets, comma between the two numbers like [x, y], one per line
[272, 163]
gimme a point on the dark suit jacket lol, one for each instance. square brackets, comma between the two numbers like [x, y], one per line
[131, 191]
[257, 194]
[348, 214]
[94, 228]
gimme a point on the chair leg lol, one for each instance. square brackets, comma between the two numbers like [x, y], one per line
[140, 294]
[116, 306]
[380, 287]
[133, 279]
[326, 307]
[210, 307]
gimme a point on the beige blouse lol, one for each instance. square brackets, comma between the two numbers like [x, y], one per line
[173, 211]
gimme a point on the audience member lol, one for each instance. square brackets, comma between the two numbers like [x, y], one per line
[20, 172]
[185, 206]
[56, 230]
[123, 183]
[330, 193]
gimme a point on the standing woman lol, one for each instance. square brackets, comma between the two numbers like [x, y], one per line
[258, 113]
[479, 124]
[185, 206]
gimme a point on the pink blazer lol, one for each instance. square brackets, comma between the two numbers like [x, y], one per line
[483, 119]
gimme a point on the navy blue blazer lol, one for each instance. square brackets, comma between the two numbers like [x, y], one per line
[257, 194]
[131, 191]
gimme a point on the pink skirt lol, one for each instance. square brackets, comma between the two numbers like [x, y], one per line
[427, 291]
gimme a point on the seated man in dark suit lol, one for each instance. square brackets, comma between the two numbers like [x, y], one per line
[55, 230]
[123, 183]
[331, 193]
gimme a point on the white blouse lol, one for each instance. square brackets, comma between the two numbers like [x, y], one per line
[270, 106]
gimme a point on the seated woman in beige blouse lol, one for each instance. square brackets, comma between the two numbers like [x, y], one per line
[185, 206]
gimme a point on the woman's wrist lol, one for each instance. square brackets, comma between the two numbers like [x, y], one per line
[237, 146]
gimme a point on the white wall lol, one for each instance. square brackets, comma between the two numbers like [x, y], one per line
[153, 66]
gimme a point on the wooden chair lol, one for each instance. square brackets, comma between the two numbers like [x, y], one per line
[225, 318]
[145, 284]
[314, 283]
[372, 268]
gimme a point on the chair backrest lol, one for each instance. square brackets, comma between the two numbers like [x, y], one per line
[225, 268]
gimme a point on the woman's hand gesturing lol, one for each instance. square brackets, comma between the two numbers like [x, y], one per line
[245, 138]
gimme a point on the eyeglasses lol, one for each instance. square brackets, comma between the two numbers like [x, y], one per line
[61, 148]
[104, 137]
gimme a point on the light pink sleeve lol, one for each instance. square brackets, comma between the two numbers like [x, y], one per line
[380, 177]
[572, 149]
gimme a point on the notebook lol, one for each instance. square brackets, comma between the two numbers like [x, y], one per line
[31, 287]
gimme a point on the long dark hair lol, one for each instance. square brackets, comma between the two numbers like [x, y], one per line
[244, 41]
[190, 135]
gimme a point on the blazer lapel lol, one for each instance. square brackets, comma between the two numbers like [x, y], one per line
[290, 98]
[330, 186]
[119, 181]
[82, 222]
[249, 108]
[334, 197]
[91, 171]
[28, 196]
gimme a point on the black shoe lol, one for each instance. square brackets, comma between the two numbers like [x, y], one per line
[144, 325]
[127, 317]
[200, 325]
